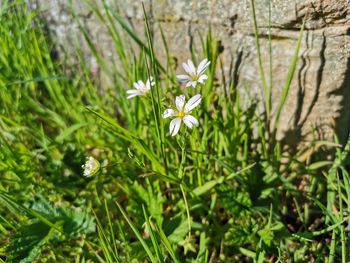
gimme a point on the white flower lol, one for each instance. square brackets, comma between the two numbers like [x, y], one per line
[182, 113]
[140, 88]
[91, 166]
[194, 75]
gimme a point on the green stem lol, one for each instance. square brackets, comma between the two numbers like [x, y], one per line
[183, 157]
[266, 90]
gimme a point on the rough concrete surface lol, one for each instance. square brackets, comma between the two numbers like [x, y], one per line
[321, 86]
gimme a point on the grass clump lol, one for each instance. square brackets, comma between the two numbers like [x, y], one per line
[224, 191]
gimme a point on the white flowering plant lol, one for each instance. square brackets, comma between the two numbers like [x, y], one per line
[177, 168]
[182, 113]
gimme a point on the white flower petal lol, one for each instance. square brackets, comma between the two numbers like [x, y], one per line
[186, 68]
[189, 84]
[148, 85]
[180, 102]
[189, 120]
[136, 85]
[141, 84]
[191, 67]
[202, 78]
[203, 66]
[168, 113]
[133, 95]
[194, 83]
[193, 102]
[174, 126]
[150, 82]
[182, 78]
[132, 91]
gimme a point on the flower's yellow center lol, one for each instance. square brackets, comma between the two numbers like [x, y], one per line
[181, 114]
[194, 77]
[144, 90]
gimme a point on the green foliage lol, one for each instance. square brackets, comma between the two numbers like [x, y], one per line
[26, 245]
[43, 223]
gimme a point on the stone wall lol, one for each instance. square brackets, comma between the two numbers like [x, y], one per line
[321, 86]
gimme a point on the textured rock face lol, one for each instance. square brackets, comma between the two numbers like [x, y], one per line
[321, 85]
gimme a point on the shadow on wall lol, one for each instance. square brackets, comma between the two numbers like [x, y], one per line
[303, 109]
[343, 120]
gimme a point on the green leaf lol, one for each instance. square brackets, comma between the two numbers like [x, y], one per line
[67, 132]
[318, 165]
[45, 220]
[25, 246]
[179, 233]
[211, 184]
[206, 187]
[247, 252]
[75, 222]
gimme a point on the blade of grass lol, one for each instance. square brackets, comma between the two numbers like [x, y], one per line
[167, 244]
[138, 235]
[285, 90]
[332, 176]
[109, 252]
[266, 91]
[270, 56]
[341, 218]
[155, 244]
[134, 36]
[332, 248]
[114, 243]
[156, 102]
